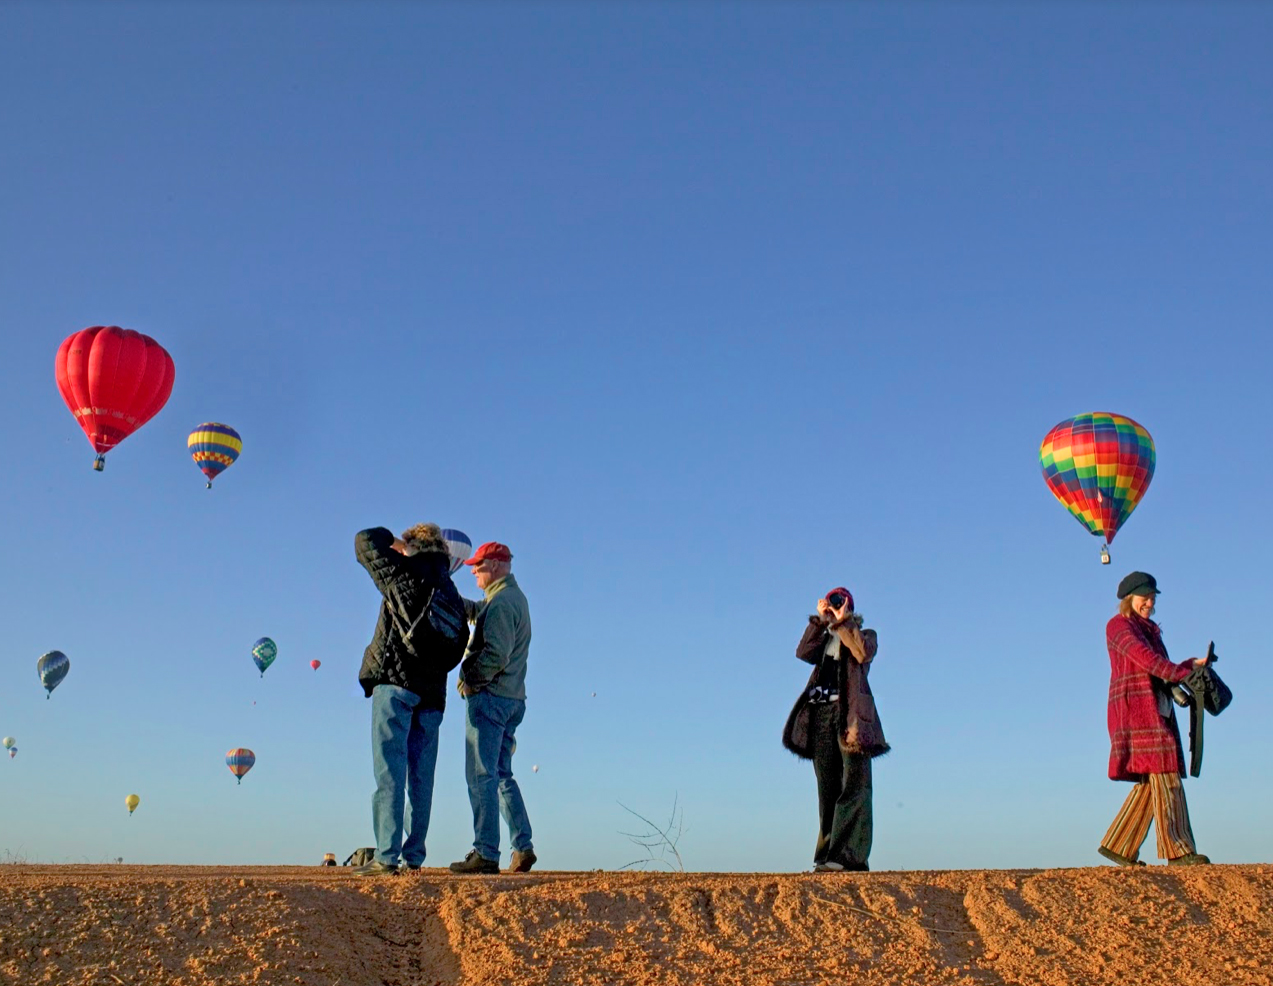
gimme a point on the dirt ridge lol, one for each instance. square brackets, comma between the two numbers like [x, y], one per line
[195, 926]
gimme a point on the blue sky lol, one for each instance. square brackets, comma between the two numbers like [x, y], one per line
[703, 309]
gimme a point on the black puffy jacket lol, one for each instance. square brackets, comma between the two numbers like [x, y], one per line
[404, 580]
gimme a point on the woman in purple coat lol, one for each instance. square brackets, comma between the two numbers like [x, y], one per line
[1145, 744]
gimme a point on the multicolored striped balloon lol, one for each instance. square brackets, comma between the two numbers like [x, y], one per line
[240, 761]
[52, 667]
[1099, 465]
[213, 447]
[263, 653]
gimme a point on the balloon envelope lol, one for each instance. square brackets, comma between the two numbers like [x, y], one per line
[459, 545]
[315, 664]
[10, 742]
[132, 801]
[1099, 466]
[263, 653]
[113, 380]
[240, 761]
[214, 446]
[52, 667]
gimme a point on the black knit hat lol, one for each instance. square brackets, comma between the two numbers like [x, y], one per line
[1137, 584]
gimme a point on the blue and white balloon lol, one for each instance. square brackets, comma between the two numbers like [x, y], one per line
[53, 667]
[459, 545]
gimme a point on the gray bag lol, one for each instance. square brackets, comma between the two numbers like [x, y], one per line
[360, 857]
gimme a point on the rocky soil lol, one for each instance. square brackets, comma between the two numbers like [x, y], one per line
[196, 926]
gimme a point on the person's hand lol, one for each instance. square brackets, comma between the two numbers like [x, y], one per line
[399, 546]
[824, 610]
[841, 614]
[462, 688]
[1200, 662]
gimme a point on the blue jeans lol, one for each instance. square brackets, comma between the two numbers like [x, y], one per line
[404, 753]
[489, 724]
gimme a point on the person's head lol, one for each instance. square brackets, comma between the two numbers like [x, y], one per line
[490, 563]
[423, 539]
[1137, 593]
[837, 598]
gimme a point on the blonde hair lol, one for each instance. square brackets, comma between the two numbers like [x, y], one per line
[424, 537]
[1125, 605]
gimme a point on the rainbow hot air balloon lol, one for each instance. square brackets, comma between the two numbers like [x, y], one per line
[459, 546]
[213, 447]
[132, 801]
[52, 667]
[263, 653]
[113, 380]
[11, 745]
[240, 761]
[1099, 466]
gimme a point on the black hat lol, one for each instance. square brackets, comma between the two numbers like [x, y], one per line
[1137, 584]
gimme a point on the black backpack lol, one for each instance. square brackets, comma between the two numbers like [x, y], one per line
[440, 630]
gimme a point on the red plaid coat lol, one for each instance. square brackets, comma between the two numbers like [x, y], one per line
[1142, 740]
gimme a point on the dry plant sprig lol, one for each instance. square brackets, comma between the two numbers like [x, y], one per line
[660, 843]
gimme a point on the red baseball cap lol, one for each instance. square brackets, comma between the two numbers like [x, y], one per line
[492, 550]
[843, 591]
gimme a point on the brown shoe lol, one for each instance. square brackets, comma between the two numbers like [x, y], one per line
[522, 861]
[1192, 859]
[1120, 860]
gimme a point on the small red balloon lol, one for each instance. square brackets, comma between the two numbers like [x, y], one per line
[315, 664]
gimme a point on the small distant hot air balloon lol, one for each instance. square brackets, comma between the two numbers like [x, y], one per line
[11, 745]
[214, 446]
[240, 761]
[315, 664]
[113, 380]
[263, 653]
[52, 667]
[459, 545]
[132, 801]
[1099, 466]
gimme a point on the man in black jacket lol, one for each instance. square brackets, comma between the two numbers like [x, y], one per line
[404, 673]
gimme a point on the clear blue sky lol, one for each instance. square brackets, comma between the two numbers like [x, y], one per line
[703, 309]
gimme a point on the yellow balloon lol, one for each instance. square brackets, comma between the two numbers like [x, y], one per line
[132, 801]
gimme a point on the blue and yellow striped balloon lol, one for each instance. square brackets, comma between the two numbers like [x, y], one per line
[240, 761]
[213, 447]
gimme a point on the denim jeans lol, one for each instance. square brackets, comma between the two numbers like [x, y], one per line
[404, 753]
[489, 724]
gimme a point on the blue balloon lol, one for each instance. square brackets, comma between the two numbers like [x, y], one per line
[53, 667]
[459, 545]
[263, 653]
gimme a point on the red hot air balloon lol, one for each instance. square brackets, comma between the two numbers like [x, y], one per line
[315, 664]
[114, 380]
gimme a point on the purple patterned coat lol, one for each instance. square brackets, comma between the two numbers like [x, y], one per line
[1142, 739]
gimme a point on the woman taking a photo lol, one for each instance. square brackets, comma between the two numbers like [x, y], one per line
[835, 724]
[1145, 744]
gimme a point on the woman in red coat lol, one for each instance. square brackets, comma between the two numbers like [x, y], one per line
[1144, 741]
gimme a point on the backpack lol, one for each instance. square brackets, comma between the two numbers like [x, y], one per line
[360, 857]
[441, 629]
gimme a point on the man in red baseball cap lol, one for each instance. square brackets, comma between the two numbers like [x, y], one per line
[493, 685]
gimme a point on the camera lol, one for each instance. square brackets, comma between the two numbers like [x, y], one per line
[836, 600]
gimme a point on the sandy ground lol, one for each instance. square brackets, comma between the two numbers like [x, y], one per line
[192, 926]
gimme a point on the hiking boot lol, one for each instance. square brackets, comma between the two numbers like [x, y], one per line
[1191, 859]
[522, 861]
[413, 867]
[1120, 860]
[473, 863]
[827, 866]
[376, 868]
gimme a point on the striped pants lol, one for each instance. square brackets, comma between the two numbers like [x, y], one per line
[1161, 800]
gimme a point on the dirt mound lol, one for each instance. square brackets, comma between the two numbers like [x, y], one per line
[194, 926]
